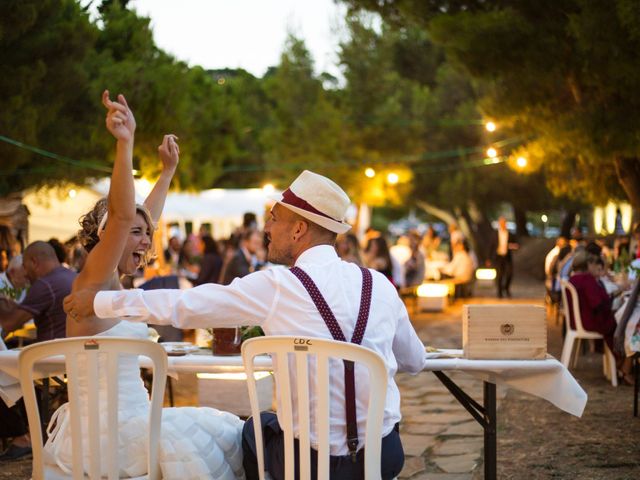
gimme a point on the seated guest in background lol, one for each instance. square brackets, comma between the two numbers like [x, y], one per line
[414, 268]
[50, 283]
[552, 255]
[377, 257]
[211, 262]
[461, 267]
[595, 302]
[430, 242]
[243, 261]
[61, 251]
[189, 259]
[13, 281]
[172, 254]
[348, 248]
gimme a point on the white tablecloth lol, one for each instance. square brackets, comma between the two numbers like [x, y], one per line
[547, 379]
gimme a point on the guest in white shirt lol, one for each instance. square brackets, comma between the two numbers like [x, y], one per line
[14, 279]
[461, 267]
[301, 231]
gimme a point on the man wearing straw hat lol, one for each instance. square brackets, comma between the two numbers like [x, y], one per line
[301, 233]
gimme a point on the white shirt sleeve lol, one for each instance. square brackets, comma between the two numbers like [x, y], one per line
[407, 346]
[250, 300]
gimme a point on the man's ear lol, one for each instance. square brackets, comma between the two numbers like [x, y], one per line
[299, 229]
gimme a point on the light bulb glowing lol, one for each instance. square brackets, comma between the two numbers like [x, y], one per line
[72, 193]
[521, 162]
[544, 218]
[393, 178]
[492, 152]
[268, 189]
[370, 172]
[490, 126]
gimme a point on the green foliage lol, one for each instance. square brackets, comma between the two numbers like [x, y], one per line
[561, 73]
[47, 98]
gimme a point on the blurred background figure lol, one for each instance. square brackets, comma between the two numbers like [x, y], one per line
[348, 248]
[461, 267]
[400, 253]
[7, 246]
[244, 260]
[211, 265]
[13, 281]
[503, 243]
[189, 258]
[61, 251]
[172, 254]
[430, 243]
[377, 256]
[414, 267]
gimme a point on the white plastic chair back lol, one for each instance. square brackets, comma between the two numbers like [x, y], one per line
[571, 305]
[301, 349]
[90, 348]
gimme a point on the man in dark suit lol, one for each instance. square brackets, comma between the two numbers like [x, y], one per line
[503, 243]
[243, 261]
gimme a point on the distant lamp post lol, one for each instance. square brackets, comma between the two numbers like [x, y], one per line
[268, 189]
[490, 126]
[370, 172]
[521, 162]
[492, 152]
[393, 178]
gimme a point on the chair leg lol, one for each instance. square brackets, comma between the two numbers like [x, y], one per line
[636, 384]
[576, 353]
[610, 361]
[567, 347]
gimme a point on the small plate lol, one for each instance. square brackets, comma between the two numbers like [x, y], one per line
[179, 348]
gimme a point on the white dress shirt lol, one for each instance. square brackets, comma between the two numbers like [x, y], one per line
[277, 301]
[503, 242]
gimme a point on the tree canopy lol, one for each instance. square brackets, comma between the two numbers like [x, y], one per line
[563, 74]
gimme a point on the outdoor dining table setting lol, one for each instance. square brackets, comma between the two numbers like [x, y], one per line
[546, 378]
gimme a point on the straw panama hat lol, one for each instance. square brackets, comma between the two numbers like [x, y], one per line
[317, 199]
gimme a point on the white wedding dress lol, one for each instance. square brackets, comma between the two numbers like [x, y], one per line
[196, 443]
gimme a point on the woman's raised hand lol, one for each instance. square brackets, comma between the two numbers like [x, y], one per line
[120, 121]
[169, 152]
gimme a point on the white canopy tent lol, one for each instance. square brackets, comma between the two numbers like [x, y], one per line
[55, 212]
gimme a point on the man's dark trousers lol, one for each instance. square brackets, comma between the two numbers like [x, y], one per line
[504, 273]
[340, 467]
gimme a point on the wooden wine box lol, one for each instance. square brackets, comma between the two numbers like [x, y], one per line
[501, 332]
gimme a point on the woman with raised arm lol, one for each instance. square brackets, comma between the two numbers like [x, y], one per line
[196, 442]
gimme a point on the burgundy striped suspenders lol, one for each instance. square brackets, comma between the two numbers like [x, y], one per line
[337, 334]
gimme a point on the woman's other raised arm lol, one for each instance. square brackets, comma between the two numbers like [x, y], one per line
[169, 153]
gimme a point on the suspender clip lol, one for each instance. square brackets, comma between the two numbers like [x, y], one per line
[352, 443]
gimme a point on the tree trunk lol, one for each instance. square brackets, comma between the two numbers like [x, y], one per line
[628, 172]
[567, 223]
[521, 222]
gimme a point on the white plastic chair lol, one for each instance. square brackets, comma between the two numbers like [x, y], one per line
[301, 349]
[571, 306]
[91, 348]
